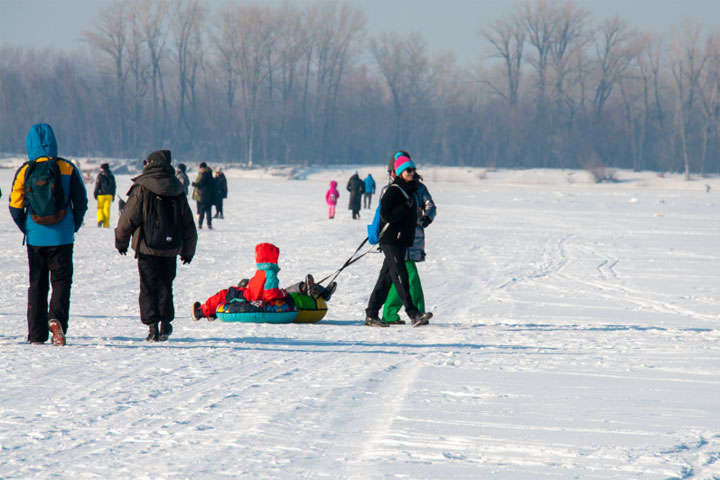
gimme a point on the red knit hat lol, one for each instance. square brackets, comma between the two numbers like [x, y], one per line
[266, 253]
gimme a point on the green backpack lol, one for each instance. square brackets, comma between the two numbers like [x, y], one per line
[44, 195]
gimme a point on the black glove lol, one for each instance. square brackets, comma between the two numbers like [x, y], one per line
[123, 251]
[185, 260]
[425, 221]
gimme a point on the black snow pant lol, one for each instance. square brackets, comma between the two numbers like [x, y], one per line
[156, 294]
[219, 208]
[393, 271]
[367, 199]
[204, 209]
[57, 263]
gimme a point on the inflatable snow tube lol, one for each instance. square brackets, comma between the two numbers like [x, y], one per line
[310, 310]
[276, 311]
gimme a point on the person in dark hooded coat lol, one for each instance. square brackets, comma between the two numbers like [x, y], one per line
[204, 194]
[356, 187]
[157, 267]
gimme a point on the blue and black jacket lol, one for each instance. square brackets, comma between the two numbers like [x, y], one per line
[41, 147]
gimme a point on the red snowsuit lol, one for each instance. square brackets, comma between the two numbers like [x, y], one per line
[263, 286]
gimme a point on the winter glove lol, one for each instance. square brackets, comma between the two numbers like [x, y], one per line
[123, 251]
[425, 221]
[185, 260]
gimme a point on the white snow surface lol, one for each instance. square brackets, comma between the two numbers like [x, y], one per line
[576, 335]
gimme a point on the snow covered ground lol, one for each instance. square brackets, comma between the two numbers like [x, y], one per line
[576, 335]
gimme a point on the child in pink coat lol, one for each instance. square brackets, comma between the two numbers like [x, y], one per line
[331, 197]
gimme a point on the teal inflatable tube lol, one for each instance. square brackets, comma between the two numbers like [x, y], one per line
[257, 317]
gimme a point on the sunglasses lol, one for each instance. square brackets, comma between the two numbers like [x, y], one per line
[410, 169]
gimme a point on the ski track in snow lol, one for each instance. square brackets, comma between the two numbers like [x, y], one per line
[575, 336]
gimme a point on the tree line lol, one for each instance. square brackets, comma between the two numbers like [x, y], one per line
[553, 87]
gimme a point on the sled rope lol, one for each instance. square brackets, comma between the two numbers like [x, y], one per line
[347, 263]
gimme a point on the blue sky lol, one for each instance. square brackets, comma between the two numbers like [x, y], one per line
[445, 24]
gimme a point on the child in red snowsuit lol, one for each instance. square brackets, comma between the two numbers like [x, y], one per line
[263, 286]
[331, 197]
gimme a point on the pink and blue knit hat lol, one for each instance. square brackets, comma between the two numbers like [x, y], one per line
[402, 162]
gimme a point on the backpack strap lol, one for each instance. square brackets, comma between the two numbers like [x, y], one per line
[407, 197]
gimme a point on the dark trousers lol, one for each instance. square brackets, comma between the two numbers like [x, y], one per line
[393, 272]
[48, 266]
[219, 207]
[204, 209]
[156, 294]
[367, 199]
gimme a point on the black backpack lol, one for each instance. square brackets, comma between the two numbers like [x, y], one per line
[162, 222]
[44, 194]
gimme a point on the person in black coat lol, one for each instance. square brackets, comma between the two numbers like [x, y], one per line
[157, 267]
[204, 194]
[356, 187]
[221, 191]
[398, 215]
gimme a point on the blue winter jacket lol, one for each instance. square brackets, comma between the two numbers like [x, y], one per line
[42, 146]
[369, 184]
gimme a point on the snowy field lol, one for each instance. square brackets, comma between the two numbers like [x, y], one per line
[576, 335]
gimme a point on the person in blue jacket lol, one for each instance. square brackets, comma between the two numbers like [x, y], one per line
[369, 190]
[49, 246]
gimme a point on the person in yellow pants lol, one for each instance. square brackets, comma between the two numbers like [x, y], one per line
[416, 253]
[104, 194]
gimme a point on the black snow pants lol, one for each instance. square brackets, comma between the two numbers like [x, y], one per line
[393, 271]
[204, 209]
[156, 293]
[55, 262]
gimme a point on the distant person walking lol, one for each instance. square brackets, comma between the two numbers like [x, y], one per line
[104, 194]
[331, 198]
[356, 187]
[369, 190]
[398, 215]
[221, 192]
[181, 174]
[204, 194]
[48, 202]
[159, 220]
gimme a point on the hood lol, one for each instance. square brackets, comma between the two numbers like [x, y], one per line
[266, 253]
[41, 141]
[159, 178]
[333, 184]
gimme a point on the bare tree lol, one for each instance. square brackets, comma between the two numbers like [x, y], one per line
[138, 69]
[540, 21]
[188, 19]
[154, 24]
[337, 31]
[507, 38]
[710, 96]
[251, 31]
[569, 38]
[688, 62]
[404, 64]
[615, 45]
[293, 43]
[110, 37]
